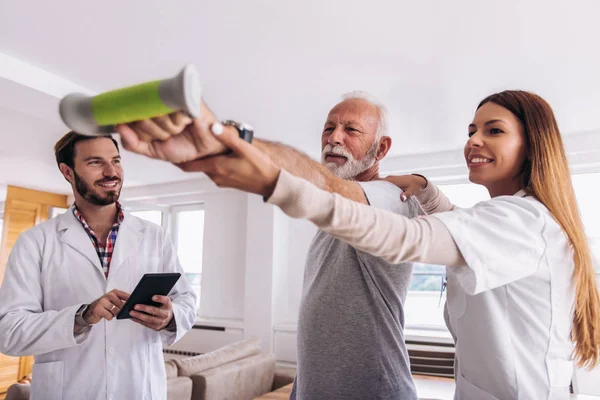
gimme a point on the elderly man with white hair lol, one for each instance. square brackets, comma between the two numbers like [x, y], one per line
[351, 321]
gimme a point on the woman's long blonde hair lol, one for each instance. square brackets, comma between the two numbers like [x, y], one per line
[546, 176]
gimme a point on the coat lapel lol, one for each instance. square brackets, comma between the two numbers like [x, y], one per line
[74, 235]
[128, 241]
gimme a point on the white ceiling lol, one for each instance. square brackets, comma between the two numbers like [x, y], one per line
[281, 65]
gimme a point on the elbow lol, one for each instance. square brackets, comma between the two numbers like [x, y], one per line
[6, 351]
[5, 347]
[9, 341]
[8, 348]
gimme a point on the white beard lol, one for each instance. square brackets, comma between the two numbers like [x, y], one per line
[351, 168]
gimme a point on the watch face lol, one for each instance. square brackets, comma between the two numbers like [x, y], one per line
[79, 315]
[81, 310]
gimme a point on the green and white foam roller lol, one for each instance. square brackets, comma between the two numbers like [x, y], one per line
[97, 115]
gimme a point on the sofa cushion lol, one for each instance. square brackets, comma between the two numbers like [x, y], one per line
[179, 388]
[171, 369]
[233, 352]
[241, 380]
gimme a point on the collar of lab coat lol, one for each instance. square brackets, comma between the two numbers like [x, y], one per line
[521, 193]
[130, 235]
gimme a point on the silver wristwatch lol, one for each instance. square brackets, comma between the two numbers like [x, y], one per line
[79, 320]
[245, 131]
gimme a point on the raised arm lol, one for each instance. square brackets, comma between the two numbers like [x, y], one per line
[178, 139]
[381, 233]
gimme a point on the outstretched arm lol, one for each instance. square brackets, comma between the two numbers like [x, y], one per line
[381, 233]
[178, 139]
[384, 234]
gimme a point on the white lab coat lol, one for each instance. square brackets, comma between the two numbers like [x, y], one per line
[511, 309]
[52, 270]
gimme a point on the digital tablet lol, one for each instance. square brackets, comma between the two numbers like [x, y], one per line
[150, 285]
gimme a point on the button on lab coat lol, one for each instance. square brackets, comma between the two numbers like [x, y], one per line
[511, 308]
[52, 270]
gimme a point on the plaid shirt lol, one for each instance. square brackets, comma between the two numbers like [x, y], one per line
[105, 250]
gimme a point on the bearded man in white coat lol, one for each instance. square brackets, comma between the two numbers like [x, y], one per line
[67, 279]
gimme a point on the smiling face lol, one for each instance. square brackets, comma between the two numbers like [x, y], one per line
[349, 141]
[496, 150]
[97, 174]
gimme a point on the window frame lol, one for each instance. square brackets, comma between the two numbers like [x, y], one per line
[164, 212]
[592, 240]
[413, 295]
[174, 229]
[2, 225]
[174, 225]
[170, 221]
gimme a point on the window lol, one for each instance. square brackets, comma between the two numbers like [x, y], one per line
[154, 216]
[425, 303]
[56, 211]
[424, 308]
[585, 186]
[188, 224]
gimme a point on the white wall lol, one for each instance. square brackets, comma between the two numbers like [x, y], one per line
[224, 256]
[300, 236]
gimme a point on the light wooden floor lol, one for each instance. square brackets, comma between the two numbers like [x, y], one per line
[427, 388]
[280, 394]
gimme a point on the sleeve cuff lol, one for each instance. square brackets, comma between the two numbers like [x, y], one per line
[298, 198]
[429, 193]
[472, 275]
[80, 337]
[283, 189]
[170, 337]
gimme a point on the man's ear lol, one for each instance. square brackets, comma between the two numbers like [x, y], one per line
[384, 146]
[67, 172]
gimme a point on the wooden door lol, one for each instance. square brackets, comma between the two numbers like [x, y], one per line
[24, 208]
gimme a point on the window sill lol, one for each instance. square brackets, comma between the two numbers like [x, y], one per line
[428, 336]
[221, 323]
[415, 334]
[285, 327]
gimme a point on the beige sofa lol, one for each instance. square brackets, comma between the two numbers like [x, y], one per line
[239, 371]
[178, 387]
